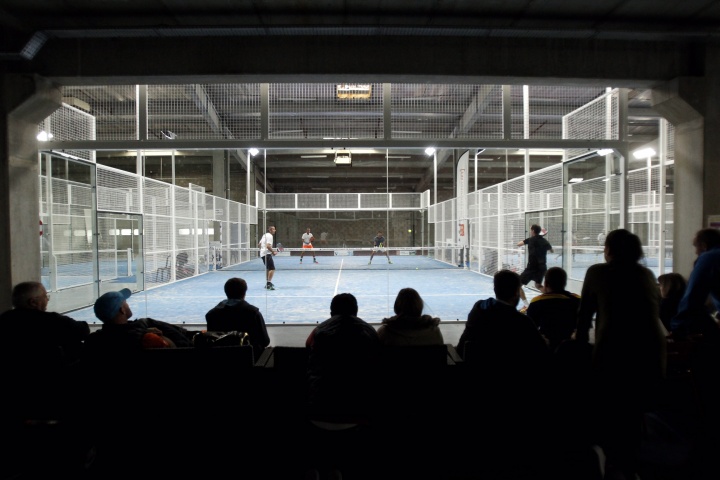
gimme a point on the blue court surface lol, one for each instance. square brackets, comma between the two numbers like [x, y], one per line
[303, 292]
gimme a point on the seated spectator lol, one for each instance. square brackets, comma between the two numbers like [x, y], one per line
[555, 310]
[235, 313]
[120, 334]
[343, 366]
[503, 337]
[506, 359]
[629, 351]
[409, 326]
[31, 323]
[672, 288]
[344, 354]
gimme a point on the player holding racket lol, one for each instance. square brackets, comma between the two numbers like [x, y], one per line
[266, 253]
[307, 239]
[379, 244]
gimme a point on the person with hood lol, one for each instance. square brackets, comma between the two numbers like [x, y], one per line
[409, 326]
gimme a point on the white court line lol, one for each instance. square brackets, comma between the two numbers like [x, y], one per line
[337, 283]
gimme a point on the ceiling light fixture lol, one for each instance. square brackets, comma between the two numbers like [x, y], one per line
[354, 91]
[575, 180]
[44, 136]
[429, 151]
[644, 153]
[253, 151]
[343, 157]
[313, 156]
[604, 151]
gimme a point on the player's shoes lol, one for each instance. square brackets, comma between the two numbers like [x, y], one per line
[270, 287]
[301, 260]
[389, 262]
[315, 261]
[369, 263]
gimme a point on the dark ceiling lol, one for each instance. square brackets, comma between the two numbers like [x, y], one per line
[35, 30]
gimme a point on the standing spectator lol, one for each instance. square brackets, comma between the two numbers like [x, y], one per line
[120, 334]
[324, 239]
[409, 326]
[266, 253]
[628, 356]
[234, 313]
[702, 295]
[672, 288]
[379, 245]
[555, 310]
[30, 323]
[307, 239]
[538, 247]
[697, 322]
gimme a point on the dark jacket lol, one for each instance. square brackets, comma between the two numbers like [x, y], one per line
[555, 315]
[127, 337]
[504, 341]
[234, 314]
[406, 330]
[44, 329]
[342, 369]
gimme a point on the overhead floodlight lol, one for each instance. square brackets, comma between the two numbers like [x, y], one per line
[575, 180]
[253, 152]
[430, 150]
[44, 136]
[343, 157]
[604, 151]
[644, 153]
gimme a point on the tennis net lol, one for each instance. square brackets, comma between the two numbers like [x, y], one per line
[400, 258]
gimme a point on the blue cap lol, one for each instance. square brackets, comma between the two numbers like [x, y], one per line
[108, 304]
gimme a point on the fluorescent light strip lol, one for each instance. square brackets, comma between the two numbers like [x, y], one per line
[313, 156]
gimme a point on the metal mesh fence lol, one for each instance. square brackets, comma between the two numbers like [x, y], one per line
[325, 111]
[114, 108]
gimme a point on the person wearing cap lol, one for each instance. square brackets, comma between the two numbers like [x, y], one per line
[119, 333]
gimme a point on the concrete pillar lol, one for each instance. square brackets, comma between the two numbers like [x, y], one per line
[219, 174]
[25, 102]
[677, 101]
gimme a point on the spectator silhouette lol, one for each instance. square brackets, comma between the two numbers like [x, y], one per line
[342, 378]
[502, 337]
[702, 294]
[555, 310]
[120, 334]
[628, 356]
[30, 323]
[506, 358]
[234, 313]
[672, 288]
[697, 321]
[343, 357]
[409, 326]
